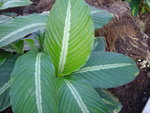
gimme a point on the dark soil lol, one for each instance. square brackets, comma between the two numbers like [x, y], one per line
[8, 110]
[18, 11]
[134, 95]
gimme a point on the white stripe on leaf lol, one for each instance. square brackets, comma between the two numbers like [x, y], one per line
[102, 67]
[95, 11]
[38, 83]
[21, 30]
[77, 97]
[65, 40]
[4, 87]
[100, 11]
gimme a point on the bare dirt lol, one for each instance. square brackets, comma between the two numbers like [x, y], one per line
[134, 95]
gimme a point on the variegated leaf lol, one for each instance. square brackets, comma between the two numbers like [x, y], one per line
[69, 37]
[107, 70]
[110, 101]
[5, 72]
[76, 96]
[33, 84]
[100, 17]
[20, 27]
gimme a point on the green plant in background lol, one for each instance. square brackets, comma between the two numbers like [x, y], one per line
[137, 6]
[146, 7]
[64, 71]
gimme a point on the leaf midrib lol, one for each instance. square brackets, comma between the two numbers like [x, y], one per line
[102, 67]
[38, 83]
[77, 97]
[20, 30]
[66, 36]
[4, 87]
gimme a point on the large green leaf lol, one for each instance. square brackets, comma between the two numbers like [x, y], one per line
[110, 101]
[76, 96]
[14, 3]
[100, 17]
[33, 84]
[107, 70]
[20, 27]
[5, 72]
[69, 37]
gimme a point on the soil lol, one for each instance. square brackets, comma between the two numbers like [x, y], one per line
[134, 95]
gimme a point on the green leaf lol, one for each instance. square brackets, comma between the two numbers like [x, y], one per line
[31, 44]
[18, 46]
[76, 96]
[4, 19]
[33, 84]
[39, 36]
[14, 3]
[107, 70]
[20, 27]
[69, 37]
[134, 4]
[3, 57]
[99, 44]
[145, 9]
[110, 101]
[147, 2]
[100, 17]
[5, 72]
